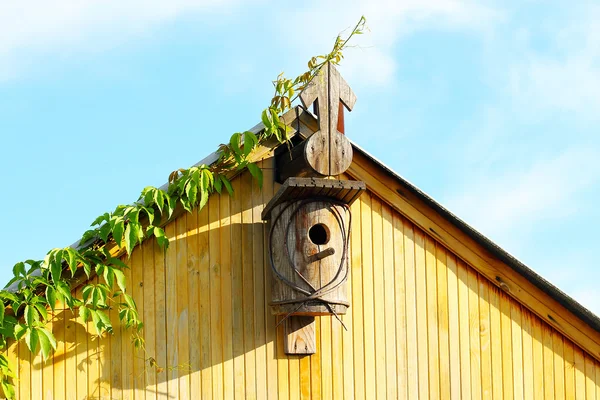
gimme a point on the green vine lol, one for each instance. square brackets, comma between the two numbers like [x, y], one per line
[41, 284]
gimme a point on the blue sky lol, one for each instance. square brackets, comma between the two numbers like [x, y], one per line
[492, 108]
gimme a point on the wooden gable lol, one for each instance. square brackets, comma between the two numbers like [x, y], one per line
[433, 314]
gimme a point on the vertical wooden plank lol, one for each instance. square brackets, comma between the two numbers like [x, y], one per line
[421, 286]
[183, 338]
[548, 361]
[137, 288]
[226, 303]
[597, 379]
[368, 296]
[569, 369]
[495, 341]
[411, 312]
[237, 317]
[315, 364]
[283, 377]
[71, 350]
[270, 320]
[259, 290]
[517, 348]
[475, 331]
[378, 298]
[92, 357]
[453, 327]
[149, 313]
[114, 365]
[432, 318]
[216, 334]
[60, 356]
[590, 377]
[538, 358]
[443, 322]
[580, 389]
[559, 365]
[37, 383]
[205, 305]
[400, 305]
[193, 267]
[357, 302]
[347, 335]
[527, 332]
[24, 366]
[48, 369]
[126, 348]
[326, 361]
[160, 304]
[337, 364]
[387, 268]
[485, 338]
[464, 326]
[12, 354]
[507, 362]
[80, 352]
[248, 284]
[171, 311]
[305, 377]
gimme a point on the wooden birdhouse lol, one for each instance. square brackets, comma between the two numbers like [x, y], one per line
[310, 219]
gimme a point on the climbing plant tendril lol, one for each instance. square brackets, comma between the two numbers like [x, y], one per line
[39, 285]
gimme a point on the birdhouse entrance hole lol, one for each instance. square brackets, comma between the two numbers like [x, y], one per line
[319, 234]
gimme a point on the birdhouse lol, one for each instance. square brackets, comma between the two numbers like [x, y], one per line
[308, 242]
[310, 218]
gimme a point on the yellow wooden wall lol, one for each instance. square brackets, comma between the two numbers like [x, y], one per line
[422, 323]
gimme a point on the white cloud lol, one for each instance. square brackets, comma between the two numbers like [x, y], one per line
[389, 22]
[507, 206]
[44, 28]
[566, 79]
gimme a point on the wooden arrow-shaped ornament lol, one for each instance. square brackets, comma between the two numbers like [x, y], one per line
[327, 151]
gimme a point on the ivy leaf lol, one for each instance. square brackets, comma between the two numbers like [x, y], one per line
[191, 191]
[2, 312]
[170, 204]
[250, 141]
[8, 389]
[31, 338]
[218, 185]
[84, 314]
[98, 221]
[130, 239]
[30, 315]
[104, 231]
[42, 310]
[162, 241]
[56, 270]
[109, 276]
[120, 277]
[72, 258]
[104, 321]
[47, 342]
[227, 184]
[88, 235]
[159, 199]
[51, 297]
[256, 173]
[19, 269]
[117, 231]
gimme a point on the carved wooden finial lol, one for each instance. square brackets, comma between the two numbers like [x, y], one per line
[328, 151]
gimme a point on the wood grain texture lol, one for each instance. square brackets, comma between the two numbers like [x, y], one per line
[422, 321]
[327, 151]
